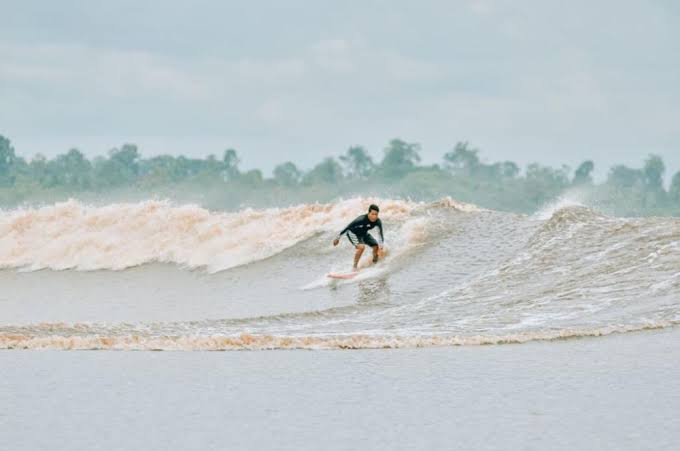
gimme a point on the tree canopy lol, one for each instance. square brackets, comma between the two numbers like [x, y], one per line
[221, 182]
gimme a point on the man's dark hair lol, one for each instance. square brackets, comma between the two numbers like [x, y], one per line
[373, 207]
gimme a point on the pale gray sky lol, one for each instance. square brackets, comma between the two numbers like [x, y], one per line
[548, 81]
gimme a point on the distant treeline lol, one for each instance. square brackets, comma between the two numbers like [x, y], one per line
[218, 181]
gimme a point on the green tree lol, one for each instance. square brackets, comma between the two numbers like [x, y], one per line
[544, 183]
[287, 174]
[582, 175]
[230, 162]
[328, 171]
[674, 191]
[253, 177]
[463, 159]
[653, 173]
[509, 169]
[7, 161]
[38, 169]
[623, 177]
[72, 170]
[212, 165]
[128, 157]
[626, 189]
[121, 167]
[191, 167]
[162, 169]
[400, 158]
[358, 163]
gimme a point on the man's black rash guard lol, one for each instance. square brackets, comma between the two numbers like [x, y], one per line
[360, 227]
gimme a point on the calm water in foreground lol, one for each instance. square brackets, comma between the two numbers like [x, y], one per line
[616, 392]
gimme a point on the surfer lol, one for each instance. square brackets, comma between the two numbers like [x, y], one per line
[357, 234]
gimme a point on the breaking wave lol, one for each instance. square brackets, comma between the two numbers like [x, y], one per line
[71, 235]
[458, 275]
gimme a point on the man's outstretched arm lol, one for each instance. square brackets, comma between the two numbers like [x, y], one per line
[349, 226]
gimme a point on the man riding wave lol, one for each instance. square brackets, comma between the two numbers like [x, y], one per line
[357, 234]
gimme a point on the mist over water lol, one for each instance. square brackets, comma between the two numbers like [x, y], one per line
[179, 277]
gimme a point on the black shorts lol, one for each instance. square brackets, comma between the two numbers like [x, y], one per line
[366, 239]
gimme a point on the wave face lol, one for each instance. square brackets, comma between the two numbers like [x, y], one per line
[74, 236]
[455, 275]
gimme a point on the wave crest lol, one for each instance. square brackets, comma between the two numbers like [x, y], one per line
[71, 235]
[247, 341]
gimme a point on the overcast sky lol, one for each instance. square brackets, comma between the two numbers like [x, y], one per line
[549, 81]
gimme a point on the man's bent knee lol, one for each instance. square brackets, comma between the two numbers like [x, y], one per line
[360, 247]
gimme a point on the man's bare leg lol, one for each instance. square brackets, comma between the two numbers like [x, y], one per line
[357, 255]
[376, 253]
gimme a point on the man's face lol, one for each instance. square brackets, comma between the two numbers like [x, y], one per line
[372, 215]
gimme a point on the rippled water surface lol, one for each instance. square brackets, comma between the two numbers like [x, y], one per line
[158, 276]
[616, 392]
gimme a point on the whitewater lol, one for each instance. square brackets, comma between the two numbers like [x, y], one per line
[155, 275]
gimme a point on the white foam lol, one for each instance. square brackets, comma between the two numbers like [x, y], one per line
[570, 198]
[71, 235]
